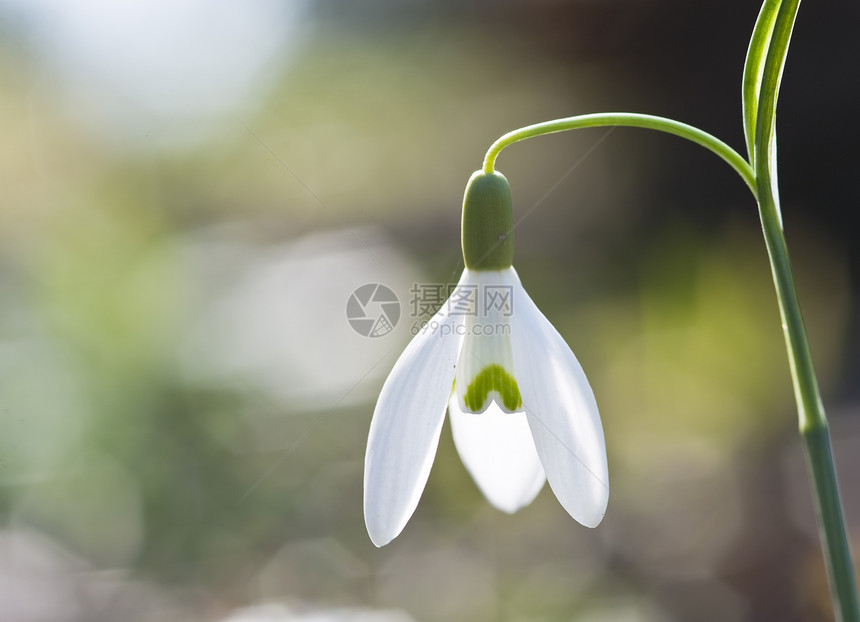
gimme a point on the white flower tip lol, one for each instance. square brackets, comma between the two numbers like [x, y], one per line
[587, 505]
[388, 502]
[379, 535]
[509, 507]
[593, 520]
[382, 524]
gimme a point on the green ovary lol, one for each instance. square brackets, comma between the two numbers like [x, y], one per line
[493, 378]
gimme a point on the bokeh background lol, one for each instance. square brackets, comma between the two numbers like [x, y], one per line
[189, 192]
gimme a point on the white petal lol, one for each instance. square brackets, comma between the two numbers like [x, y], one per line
[407, 421]
[498, 451]
[485, 370]
[561, 411]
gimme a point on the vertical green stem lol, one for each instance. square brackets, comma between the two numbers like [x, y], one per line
[813, 424]
[812, 420]
[837, 554]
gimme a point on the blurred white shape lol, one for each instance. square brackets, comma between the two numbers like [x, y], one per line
[445, 583]
[34, 579]
[159, 65]
[41, 581]
[278, 613]
[275, 320]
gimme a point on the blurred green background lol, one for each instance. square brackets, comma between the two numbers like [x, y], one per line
[192, 189]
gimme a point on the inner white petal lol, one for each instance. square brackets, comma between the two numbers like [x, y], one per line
[485, 368]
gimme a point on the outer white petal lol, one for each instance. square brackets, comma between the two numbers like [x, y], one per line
[407, 421]
[561, 411]
[498, 451]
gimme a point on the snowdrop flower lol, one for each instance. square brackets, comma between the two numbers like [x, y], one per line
[521, 408]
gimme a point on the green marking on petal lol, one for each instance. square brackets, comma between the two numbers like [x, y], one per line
[493, 378]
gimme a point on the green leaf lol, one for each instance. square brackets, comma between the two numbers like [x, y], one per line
[764, 162]
[754, 67]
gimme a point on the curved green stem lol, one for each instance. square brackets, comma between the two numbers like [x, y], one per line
[811, 417]
[626, 119]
